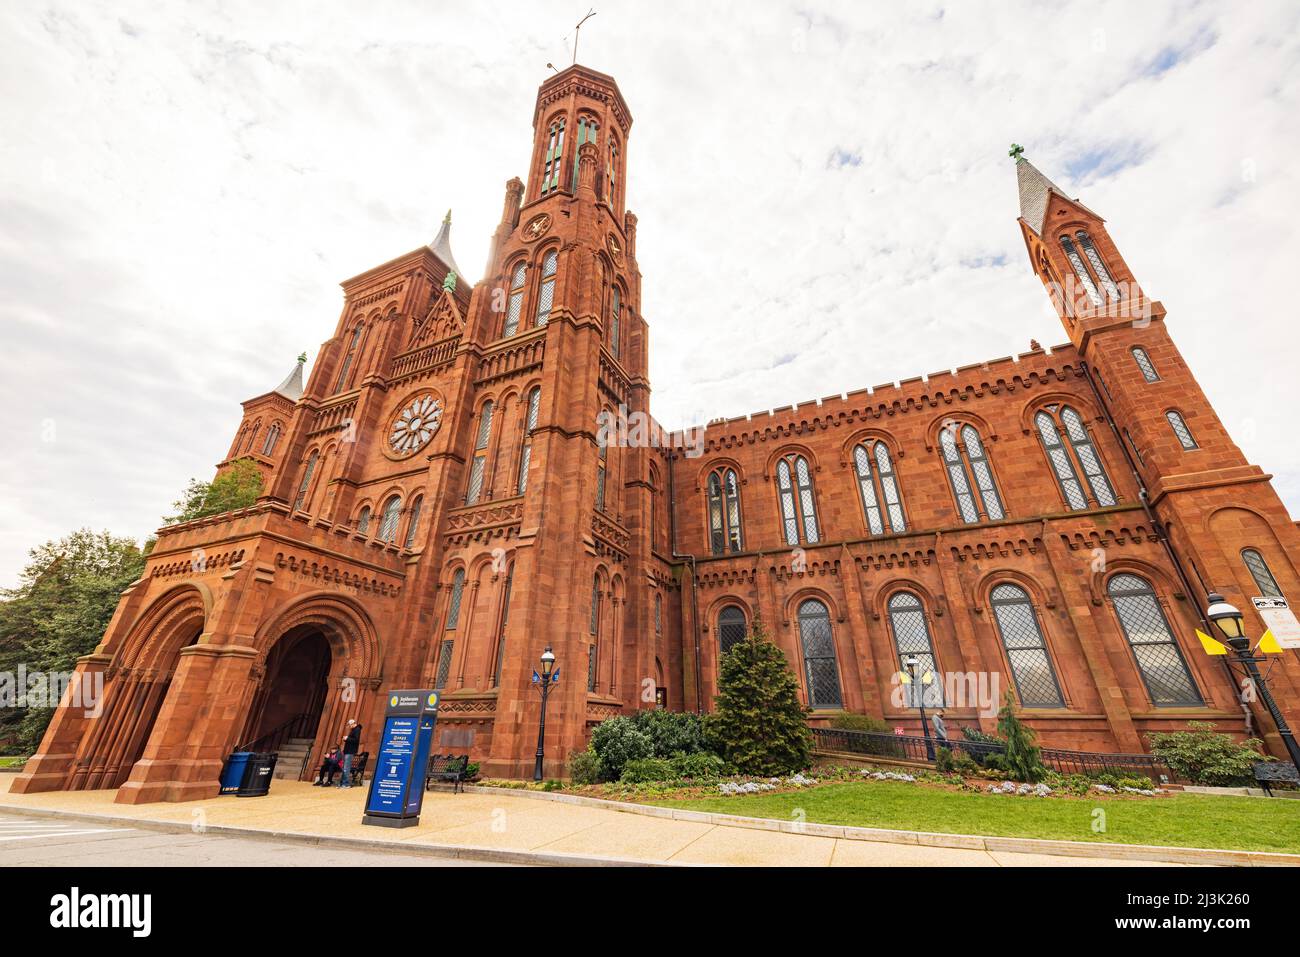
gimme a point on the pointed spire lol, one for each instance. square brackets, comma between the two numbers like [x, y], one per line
[1035, 190]
[291, 387]
[441, 245]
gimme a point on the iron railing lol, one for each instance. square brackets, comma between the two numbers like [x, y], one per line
[913, 748]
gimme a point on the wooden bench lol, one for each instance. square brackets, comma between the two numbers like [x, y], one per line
[359, 762]
[1273, 772]
[447, 767]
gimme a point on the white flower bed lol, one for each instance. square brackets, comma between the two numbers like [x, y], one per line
[889, 776]
[1011, 787]
[746, 787]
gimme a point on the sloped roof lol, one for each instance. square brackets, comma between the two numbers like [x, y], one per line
[291, 387]
[441, 246]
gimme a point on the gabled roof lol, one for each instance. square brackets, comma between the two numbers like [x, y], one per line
[441, 246]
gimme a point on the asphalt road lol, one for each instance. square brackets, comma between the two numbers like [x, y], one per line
[37, 841]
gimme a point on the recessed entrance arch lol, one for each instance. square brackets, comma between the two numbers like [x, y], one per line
[289, 700]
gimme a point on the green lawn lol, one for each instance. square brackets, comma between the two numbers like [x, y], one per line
[1186, 820]
[7, 762]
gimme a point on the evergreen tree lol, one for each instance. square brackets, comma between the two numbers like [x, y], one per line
[759, 726]
[1023, 759]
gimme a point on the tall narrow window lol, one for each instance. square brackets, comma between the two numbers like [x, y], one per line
[795, 494]
[1084, 450]
[602, 466]
[363, 520]
[912, 640]
[1080, 270]
[444, 664]
[975, 490]
[554, 157]
[1181, 430]
[546, 293]
[1080, 442]
[301, 498]
[1098, 267]
[413, 526]
[1031, 665]
[479, 462]
[515, 305]
[1061, 464]
[1159, 659]
[348, 357]
[1144, 364]
[1259, 571]
[505, 620]
[587, 130]
[820, 666]
[615, 307]
[272, 437]
[526, 449]
[453, 601]
[595, 633]
[659, 614]
[731, 628]
[878, 487]
[388, 520]
[724, 512]
[613, 172]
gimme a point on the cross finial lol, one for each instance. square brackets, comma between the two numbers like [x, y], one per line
[1016, 152]
[446, 220]
[302, 358]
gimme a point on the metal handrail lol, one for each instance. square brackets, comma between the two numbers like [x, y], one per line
[272, 740]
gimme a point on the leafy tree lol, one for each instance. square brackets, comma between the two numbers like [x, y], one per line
[759, 725]
[1023, 759]
[1203, 756]
[65, 598]
[236, 487]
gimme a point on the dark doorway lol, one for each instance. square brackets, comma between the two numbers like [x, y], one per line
[292, 694]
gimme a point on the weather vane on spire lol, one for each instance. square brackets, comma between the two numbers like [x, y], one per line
[1016, 152]
[590, 13]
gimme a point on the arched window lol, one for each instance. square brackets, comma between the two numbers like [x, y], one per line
[615, 308]
[1031, 665]
[272, 437]
[1098, 267]
[912, 640]
[388, 520]
[795, 494]
[252, 435]
[1085, 453]
[363, 520]
[515, 305]
[1259, 571]
[613, 172]
[1144, 364]
[453, 602]
[1159, 659]
[1181, 430]
[659, 614]
[732, 628]
[413, 526]
[879, 487]
[348, 357]
[970, 475]
[554, 157]
[526, 448]
[724, 512]
[505, 620]
[479, 462]
[301, 498]
[587, 130]
[1080, 270]
[546, 293]
[820, 667]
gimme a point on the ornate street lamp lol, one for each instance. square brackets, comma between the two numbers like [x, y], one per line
[911, 661]
[548, 676]
[1229, 621]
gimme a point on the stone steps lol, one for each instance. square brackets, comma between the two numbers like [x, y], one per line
[289, 764]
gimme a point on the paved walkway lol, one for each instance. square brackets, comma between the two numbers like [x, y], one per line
[483, 822]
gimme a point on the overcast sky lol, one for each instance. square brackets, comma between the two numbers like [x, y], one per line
[824, 194]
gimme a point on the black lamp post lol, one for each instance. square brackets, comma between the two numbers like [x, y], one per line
[1229, 621]
[911, 661]
[547, 677]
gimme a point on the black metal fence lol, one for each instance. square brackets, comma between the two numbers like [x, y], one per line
[912, 748]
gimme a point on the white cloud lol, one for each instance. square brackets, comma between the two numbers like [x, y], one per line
[182, 188]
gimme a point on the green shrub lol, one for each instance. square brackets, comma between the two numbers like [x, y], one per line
[943, 760]
[849, 721]
[978, 736]
[616, 742]
[701, 766]
[1203, 756]
[584, 767]
[671, 732]
[1023, 759]
[647, 770]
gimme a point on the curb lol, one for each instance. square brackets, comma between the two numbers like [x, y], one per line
[492, 855]
[976, 842]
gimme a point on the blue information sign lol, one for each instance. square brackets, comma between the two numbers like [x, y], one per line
[397, 786]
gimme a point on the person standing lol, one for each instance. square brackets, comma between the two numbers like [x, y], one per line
[940, 729]
[351, 743]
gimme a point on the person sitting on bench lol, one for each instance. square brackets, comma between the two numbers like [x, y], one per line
[331, 766]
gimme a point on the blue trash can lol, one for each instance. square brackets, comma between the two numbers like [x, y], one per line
[232, 776]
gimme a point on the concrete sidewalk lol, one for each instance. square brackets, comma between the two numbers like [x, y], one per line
[491, 824]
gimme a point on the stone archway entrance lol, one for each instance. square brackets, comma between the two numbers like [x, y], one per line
[289, 702]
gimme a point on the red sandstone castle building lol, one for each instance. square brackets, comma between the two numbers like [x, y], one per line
[441, 502]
